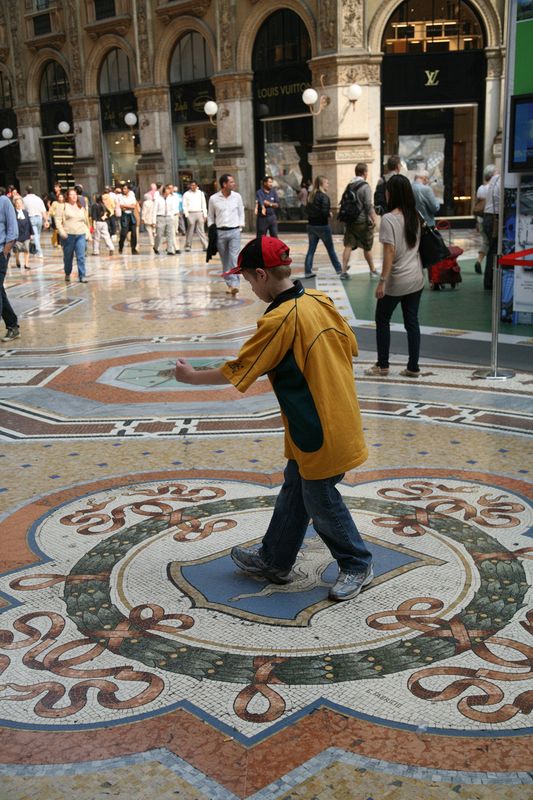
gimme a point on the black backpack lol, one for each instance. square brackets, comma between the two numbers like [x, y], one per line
[380, 201]
[350, 206]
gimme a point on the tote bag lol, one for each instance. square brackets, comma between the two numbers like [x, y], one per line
[432, 247]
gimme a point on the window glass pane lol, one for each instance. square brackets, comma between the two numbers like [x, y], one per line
[54, 83]
[191, 59]
[115, 73]
[282, 39]
[186, 58]
[433, 26]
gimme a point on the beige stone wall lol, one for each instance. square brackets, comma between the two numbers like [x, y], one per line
[345, 40]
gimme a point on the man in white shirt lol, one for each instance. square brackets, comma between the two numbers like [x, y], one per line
[165, 205]
[195, 212]
[38, 217]
[128, 223]
[226, 211]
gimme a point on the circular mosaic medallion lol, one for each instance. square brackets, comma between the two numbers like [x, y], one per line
[141, 601]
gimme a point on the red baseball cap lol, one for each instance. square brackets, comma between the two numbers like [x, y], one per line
[264, 252]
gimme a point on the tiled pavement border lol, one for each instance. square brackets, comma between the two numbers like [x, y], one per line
[276, 789]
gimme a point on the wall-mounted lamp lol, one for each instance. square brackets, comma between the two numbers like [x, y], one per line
[353, 93]
[63, 127]
[310, 97]
[211, 110]
[131, 120]
[7, 133]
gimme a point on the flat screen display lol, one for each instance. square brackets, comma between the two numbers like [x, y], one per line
[521, 134]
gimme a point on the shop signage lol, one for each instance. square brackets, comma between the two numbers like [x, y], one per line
[432, 77]
[188, 99]
[114, 108]
[420, 78]
[278, 92]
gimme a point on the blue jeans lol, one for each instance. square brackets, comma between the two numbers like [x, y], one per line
[229, 244]
[74, 244]
[299, 501]
[37, 226]
[384, 309]
[315, 234]
[8, 315]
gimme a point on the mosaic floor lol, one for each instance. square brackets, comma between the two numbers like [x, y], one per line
[135, 660]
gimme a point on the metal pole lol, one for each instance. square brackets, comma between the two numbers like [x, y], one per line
[494, 373]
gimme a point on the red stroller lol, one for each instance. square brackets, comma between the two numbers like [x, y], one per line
[446, 271]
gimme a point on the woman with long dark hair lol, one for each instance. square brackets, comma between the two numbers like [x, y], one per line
[402, 279]
[319, 229]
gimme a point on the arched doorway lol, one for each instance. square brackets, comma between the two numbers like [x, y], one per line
[9, 149]
[195, 140]
[283, 128]
[433, 96]
[120, 140]
[57, 141]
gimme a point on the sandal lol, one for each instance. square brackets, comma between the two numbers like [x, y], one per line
[377, 371]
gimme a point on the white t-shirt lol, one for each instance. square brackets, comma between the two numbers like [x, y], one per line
[406, 276]
[34, 205]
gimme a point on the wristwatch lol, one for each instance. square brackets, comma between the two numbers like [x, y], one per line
[382, 279]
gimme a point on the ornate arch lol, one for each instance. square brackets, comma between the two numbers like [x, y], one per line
[250, 29]
[97, 55]
[168, 41]
[485, 12]
[35, 73]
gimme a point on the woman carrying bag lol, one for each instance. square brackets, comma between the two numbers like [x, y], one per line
[73, 226]
[402, 279]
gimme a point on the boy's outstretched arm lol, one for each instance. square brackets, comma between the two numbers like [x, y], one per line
[185, 373]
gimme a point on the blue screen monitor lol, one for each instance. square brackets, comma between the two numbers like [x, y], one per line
[521, 134]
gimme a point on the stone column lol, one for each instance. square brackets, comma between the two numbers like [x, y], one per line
[346, 132]
[492, 151]
[235, 134]
[31, 170]
[153, 111]
[88, 166]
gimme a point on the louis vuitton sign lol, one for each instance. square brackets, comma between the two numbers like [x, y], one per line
[447, 78]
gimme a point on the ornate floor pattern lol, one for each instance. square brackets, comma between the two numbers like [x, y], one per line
[135, 660]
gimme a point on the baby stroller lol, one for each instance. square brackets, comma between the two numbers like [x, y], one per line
[447, 270]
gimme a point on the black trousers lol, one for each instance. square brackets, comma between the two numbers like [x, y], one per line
[127, 223]
[490, 229]
[384, 310]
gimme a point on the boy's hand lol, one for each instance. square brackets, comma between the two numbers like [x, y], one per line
[184, 372]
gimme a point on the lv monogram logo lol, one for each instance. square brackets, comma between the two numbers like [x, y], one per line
[431, 76]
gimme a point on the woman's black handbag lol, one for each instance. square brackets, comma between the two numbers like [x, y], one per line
[432, 247]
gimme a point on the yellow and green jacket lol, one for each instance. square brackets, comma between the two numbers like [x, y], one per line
[306, 348]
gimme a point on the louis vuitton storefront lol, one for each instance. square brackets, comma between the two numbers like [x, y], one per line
[433, 74]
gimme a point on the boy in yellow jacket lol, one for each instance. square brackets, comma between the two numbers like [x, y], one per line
[306, 348]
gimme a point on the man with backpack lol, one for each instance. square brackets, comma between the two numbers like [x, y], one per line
[394, 166]
[357, 212]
